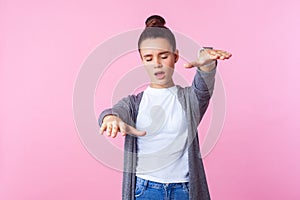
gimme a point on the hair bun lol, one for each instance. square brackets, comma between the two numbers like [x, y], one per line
[155, 21]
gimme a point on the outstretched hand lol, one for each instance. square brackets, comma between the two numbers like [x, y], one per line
[206, 57]
[112, 125]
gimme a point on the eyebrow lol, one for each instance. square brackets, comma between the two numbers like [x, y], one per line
[164, 52]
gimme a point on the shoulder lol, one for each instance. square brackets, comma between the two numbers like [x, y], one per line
[132, 100]
[135, 98]
[184, 94]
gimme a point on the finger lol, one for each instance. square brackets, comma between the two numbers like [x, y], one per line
[102, 128]
[123, 134]
[109, 129]
[221, 57]
[213, 56]
[224, 53]
[221, 54]
[191, 64]
[228, 55]
[211, 51]
[115, 129]
[131, 130]
[224, 56]
[122, 128]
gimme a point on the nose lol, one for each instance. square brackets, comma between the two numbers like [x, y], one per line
[157, 63]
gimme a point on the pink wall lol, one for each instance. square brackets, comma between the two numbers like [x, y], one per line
[42, 48]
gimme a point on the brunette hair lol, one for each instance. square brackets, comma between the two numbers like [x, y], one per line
[155, 28]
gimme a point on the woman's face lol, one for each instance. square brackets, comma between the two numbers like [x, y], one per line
[159, 60]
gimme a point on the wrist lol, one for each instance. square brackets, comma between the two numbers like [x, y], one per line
[107, 117]
[207, 64]
[208, 67]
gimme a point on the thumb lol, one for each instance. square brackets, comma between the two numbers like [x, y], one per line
[191, 64]
[133, 131]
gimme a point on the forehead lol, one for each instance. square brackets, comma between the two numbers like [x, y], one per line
[155, 45]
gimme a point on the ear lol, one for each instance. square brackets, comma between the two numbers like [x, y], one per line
[176, 54]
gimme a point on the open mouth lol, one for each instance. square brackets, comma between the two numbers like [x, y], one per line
[159, 75]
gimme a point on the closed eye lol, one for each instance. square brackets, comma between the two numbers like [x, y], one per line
[164, 55]
[147, 58]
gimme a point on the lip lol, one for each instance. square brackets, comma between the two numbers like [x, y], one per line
[160, 74]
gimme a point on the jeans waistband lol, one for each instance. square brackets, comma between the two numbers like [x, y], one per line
[153, 184]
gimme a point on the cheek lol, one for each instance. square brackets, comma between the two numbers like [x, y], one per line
[170, 71]
[169, 63]
[149, 70]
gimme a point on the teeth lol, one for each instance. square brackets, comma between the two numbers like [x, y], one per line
[158, 73]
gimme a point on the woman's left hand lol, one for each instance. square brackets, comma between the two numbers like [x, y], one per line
[207, 57]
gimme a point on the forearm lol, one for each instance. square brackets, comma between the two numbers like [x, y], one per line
[203, 83]
[208, 67]
[122, 110]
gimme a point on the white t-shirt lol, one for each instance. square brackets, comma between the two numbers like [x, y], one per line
[162, 153]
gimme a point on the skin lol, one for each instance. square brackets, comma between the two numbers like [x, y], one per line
[157, 56]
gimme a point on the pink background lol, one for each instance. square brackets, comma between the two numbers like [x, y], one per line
[43, 44]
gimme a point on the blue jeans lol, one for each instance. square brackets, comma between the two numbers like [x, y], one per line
[150, 190]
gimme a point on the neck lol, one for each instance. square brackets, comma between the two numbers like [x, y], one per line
[156, 85]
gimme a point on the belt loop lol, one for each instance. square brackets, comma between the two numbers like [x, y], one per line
[145, 182]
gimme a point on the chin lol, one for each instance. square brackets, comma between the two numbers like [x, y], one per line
[164, 84]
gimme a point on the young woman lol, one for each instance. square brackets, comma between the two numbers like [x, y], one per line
[162, 158]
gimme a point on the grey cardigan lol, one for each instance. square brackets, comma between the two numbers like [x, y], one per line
[194, 100]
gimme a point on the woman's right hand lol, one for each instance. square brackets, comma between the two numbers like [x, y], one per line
[112, 124]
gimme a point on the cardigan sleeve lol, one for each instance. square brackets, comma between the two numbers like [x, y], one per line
[122, 109]
[202, 90]
[126, 109]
